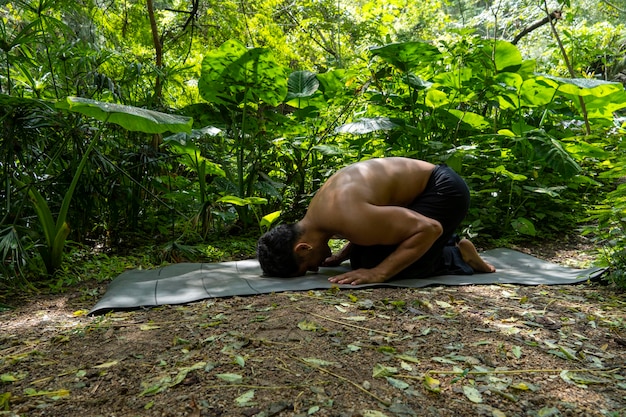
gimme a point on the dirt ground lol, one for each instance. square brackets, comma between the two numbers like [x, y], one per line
[497, 350]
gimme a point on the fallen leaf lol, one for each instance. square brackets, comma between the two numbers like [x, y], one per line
[443, 360]
[408, 358]
[5, 399]
[548, 412]
[318, 362]
[356, 318]
[432, 384]
[239, 360]
[381, 371]
[396, 383]
[373, 413]
[79, 313]
[31, 392]
[106, 365]
[228, 377]
[245, 399]
[308, 326]
[472, 394]
[8, 378]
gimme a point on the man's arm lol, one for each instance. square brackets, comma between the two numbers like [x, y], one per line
[414, 234]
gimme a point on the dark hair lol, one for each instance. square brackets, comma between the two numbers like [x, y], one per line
[275, 251]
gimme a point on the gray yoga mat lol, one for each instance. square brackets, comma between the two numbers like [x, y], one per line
[187, 282]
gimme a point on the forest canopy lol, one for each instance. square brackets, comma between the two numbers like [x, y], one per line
[177, 121]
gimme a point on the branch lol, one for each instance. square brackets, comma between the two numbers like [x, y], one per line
[619, 9]
[570, 68]
[555, 15]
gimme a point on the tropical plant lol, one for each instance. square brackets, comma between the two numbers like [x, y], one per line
[147, 121]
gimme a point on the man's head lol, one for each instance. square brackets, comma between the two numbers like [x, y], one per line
[275, 251]
[282, 253]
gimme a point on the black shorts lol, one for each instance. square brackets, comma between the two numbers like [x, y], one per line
[446, 199]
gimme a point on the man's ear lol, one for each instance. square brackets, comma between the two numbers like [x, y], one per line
[302, 248]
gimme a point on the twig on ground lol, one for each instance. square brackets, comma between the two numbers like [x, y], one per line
[349, 324]
[319, 368]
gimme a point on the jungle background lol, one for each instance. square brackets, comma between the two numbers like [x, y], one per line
[170, 125]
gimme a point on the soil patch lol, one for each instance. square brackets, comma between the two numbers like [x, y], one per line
[497, 350]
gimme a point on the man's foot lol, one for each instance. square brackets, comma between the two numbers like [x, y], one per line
[472, 258]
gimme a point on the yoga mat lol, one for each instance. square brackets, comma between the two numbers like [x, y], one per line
[188, 282]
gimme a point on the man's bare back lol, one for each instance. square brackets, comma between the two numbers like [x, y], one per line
[366, 202]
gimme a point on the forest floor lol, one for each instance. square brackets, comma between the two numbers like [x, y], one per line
[496, 350]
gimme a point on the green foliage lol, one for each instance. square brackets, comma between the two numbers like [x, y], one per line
[281, 97]
[57, 231]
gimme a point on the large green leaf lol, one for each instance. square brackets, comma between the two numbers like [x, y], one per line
[475, 120]
[584, 86]
[234, 74]
[337, 83]
[535, 93]
[301, 84]
[454, 79]
[368, 125]
[604, 107]
[506, 57]
[129, 117]
[407, 55]
[551, 152]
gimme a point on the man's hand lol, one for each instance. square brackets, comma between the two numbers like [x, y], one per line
[333, 260]
[359, 276]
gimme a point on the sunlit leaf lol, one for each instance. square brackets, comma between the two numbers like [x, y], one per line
[234, 74]
[106, 365]
[5, 400]
[474, 120]
[8, 378]
[130, 118]
[238, 201]
[505, 55]
[585, 86]
[31, 392]
[308, 326]
[269, 219]
[432, 384]
[407, 55]
[368, 125]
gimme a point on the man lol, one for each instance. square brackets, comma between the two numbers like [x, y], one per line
[399, 215]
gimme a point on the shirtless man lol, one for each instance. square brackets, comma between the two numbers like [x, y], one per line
[398, 214]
